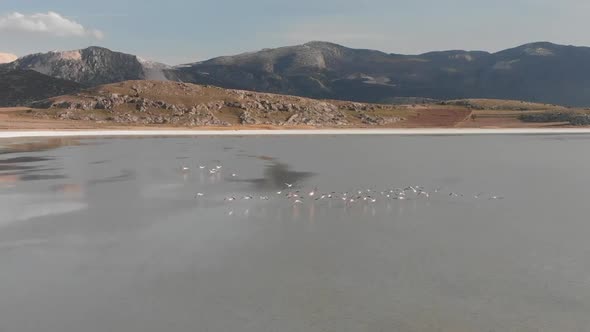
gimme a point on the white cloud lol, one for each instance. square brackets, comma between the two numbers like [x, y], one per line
[7, 57]
[46, 23]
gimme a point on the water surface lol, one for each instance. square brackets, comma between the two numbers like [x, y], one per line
[107, 235]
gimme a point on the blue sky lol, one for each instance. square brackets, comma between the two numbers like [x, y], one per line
[179, 31]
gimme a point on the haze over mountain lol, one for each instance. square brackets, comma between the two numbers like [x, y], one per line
[7, 57]
[538, 72]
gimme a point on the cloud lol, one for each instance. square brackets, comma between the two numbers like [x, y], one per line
[46, 23]
[7, 57]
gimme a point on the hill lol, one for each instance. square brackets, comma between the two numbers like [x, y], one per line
[22, 87]
[174, 103]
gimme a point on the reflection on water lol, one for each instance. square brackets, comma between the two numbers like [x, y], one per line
[16, 208]
[27, 168]
[125, 243]
[14, 167]
[276, 175]
[9, 178]
[125, 175]
[26, 159]
[34, 145]
[99, 162]
[37, 177]
[22, 164]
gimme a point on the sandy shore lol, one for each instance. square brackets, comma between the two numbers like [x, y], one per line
[426, 131]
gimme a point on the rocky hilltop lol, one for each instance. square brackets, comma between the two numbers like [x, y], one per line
[173, 103]
[90, 66]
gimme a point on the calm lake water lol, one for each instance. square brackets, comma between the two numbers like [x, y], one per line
[107, 235]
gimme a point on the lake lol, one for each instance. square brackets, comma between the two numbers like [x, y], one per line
[491, 233]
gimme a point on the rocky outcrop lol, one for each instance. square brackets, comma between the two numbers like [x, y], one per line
[150, 102]
[378, 120]
[91, 66]
[139, 111]
[190, 119]
[247, 118]
[322, 115]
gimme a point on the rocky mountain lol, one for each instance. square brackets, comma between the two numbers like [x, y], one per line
[90, 66]
[21, 87]
[537, 72]
[540, 72]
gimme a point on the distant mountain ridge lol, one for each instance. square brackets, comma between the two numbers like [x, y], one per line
[537, 72]
[541, 72]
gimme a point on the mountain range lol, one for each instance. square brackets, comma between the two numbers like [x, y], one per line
[536, 72]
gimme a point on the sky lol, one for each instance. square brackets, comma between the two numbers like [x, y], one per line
[182, 31]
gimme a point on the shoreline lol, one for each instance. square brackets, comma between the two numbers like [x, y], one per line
[281, 132]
